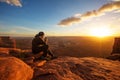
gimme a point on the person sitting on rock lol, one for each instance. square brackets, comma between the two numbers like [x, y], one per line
[40, 47]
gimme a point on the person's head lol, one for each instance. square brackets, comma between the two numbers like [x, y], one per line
[41, 34]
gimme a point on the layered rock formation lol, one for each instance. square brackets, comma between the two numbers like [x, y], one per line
[12, 68]
[115, 55]
[62, 68]
[7, 42]
[71, 68]
[116, 46]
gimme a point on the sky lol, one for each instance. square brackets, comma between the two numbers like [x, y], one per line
[59, 17]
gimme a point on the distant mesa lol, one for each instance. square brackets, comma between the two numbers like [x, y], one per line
[7, 42]
[115, 55]
[116, 46]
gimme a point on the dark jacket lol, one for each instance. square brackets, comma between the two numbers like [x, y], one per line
[37, 45]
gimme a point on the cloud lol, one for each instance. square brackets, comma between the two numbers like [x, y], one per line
[69, 21]
[90, 14]
[13, 2]
[117, 11]
[110, 7]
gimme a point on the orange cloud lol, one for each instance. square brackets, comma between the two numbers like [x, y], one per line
[69, 21]
[110, 7]
[12, 2]
[90, 14]
[101, 11]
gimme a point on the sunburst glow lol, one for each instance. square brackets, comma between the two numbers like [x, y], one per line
[101, 32]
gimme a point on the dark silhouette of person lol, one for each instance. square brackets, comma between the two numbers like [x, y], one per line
[39, 45]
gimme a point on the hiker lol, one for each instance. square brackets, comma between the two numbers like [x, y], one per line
[40, 48]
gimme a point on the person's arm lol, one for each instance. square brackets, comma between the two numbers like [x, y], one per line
[42, 43]
[46, 40]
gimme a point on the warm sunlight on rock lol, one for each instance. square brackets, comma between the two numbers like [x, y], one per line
[101, 32]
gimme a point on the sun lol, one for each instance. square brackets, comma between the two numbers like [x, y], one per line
[101, 32]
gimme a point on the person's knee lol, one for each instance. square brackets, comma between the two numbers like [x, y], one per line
[38, 54]
[46, 47]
